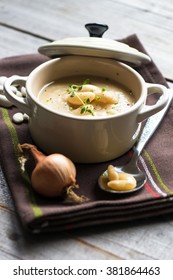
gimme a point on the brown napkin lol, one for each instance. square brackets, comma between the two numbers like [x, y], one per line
[42, 215]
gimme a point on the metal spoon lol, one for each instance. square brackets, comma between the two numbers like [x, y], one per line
[131, 167]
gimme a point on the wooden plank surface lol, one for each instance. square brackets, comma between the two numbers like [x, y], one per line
[24, 26]
[22, 44]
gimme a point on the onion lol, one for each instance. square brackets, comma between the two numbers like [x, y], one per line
[54, 175]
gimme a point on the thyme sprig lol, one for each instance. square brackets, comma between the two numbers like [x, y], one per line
[86, 106]
[73, 89]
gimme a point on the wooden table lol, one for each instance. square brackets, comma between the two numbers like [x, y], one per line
[24, 26]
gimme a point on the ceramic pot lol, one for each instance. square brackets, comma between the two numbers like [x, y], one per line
[85, 140]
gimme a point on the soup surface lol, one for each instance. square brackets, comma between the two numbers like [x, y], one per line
[86, 97]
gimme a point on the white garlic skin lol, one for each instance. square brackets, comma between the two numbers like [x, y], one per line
[18, 118]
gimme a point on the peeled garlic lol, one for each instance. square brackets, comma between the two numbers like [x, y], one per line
[80, 98]
[18, 118]
[112, 174]
[4, 102]
[14, 89]
[120, 181]
[18, 93]
[26, 117]
[128, 183]
[106, 97]
[23, 91]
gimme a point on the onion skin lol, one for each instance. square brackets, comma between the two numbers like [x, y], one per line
[53, 174]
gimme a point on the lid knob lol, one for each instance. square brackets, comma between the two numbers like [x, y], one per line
[96, 29]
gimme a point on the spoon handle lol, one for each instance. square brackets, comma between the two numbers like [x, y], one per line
[151, 125]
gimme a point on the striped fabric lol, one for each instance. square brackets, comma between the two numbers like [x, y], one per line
[39, 214]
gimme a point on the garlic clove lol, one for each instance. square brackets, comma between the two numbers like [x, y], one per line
[112, 174]
[4, 102]
[18, 118]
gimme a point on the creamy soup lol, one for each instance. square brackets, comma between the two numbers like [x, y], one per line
[86, 97]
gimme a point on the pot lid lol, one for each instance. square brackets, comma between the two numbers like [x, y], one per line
[96, 46]
[93, 46]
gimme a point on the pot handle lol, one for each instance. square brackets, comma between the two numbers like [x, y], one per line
[19, 102]
[96, 29]
[149, 110]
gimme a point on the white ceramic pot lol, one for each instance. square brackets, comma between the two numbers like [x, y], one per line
[85, 140]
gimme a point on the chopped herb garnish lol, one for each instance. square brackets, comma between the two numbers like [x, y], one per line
[70, 108]
[73, 91]
[87, 108]
[103, 89]
[87, 101]
[72, 86]
[79, 88]
[75, 88]
[97, 97]
[86, 82]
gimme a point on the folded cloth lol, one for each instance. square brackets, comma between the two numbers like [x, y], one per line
[40, 214]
